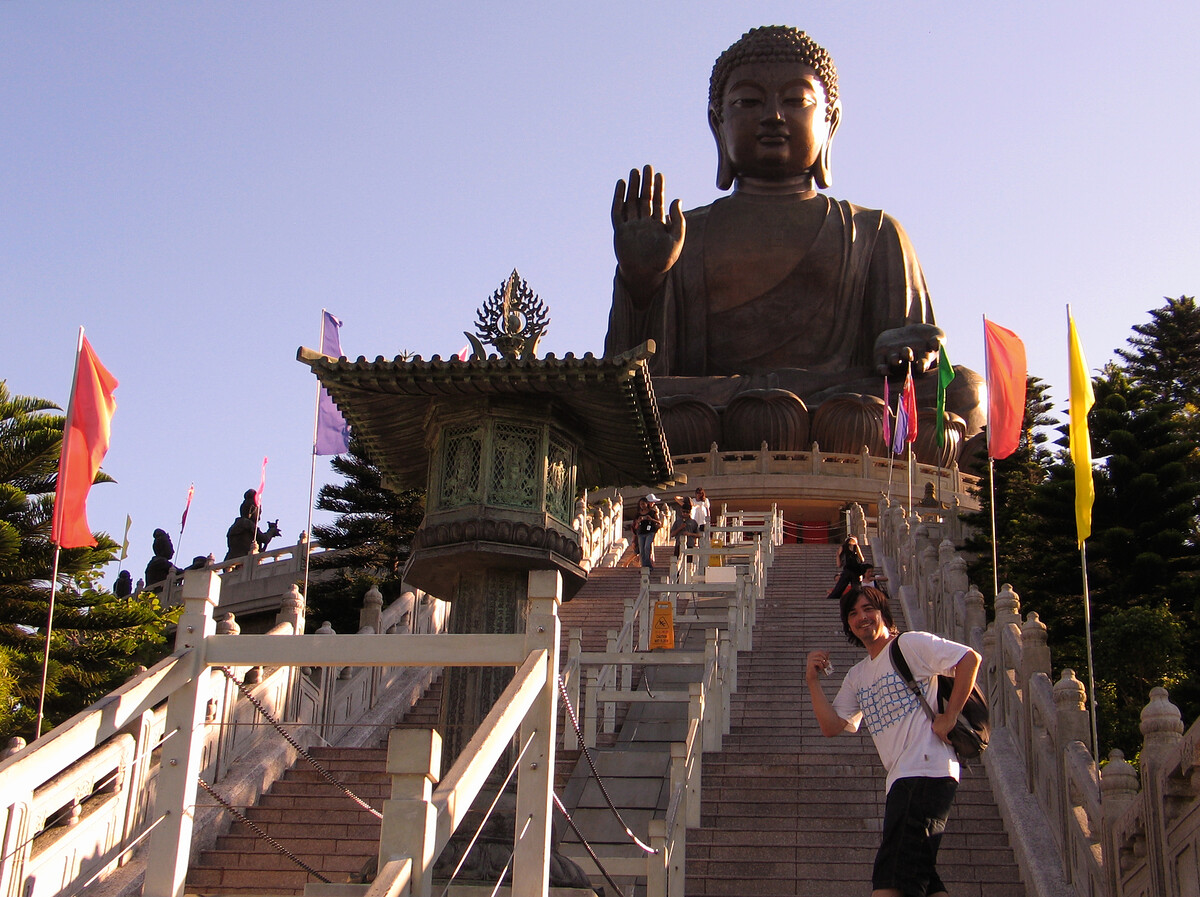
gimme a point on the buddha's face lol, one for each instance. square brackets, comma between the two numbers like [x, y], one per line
[774, 123]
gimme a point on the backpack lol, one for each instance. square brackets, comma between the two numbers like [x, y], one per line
[971, 733]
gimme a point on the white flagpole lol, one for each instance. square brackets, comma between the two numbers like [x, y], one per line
[312, 475]
[37, 729]
[995, 555]
[1087, 627]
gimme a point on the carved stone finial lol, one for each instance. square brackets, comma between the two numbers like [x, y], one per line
[1008, 605]
[15, 745]
[513, 320]
[1034, 630]
[1118, 783]
[1162, 724]
[373, 599]
[228, 625]
[1069, 693]
[326, 629]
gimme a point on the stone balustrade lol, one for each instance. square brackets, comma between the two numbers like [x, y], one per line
[1077, 829]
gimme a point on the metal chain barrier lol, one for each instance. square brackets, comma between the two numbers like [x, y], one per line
[586, 846]
[258, 831]
[325, 774]
[562, 688]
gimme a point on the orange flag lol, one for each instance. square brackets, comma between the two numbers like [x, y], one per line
[1006, 376]
[85, 442]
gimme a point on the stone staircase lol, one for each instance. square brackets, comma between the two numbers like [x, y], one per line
[785, 811]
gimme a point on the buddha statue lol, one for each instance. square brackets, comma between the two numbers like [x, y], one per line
[776, 310]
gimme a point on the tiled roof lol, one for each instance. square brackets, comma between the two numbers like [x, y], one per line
[609, 399]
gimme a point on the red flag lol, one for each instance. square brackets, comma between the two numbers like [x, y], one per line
[1006, 376]
[909, 398]
[262, 484]
[183, 522]
[85, 442]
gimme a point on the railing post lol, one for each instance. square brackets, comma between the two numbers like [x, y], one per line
[1118, 789]
[409, 826]
[656, 863]
[574, 647]
[170, 843]
[589, 707]
[610, 707]
[1162, 730]
[694, 752]
[535, 778]
[714, 707]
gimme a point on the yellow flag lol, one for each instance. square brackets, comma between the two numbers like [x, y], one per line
[1082, 399]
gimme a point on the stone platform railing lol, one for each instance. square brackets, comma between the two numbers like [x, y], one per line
[1077, 830]
[80, 799]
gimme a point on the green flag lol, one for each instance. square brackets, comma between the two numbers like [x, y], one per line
[945, 375]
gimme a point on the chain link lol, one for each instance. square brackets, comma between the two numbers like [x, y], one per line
[258, 831]
[325, 774]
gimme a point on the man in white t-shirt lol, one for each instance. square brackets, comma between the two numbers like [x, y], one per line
[922, 769]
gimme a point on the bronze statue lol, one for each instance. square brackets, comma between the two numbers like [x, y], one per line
[243, 533]
[775, 292]
[160, 566]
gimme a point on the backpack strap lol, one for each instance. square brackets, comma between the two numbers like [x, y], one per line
[901, 665]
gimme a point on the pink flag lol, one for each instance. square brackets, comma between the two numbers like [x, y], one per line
[186, 507]
[262, 484]
[1006, 375]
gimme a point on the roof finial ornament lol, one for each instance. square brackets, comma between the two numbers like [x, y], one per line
[513, 320]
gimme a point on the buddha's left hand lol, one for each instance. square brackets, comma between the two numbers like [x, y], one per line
[917, 343]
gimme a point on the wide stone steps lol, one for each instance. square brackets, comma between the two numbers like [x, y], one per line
[324, 828]
[787, 812]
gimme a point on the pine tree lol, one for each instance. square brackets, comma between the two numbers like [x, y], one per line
[1143, 568]
[97, 639]
[1165, 354]
[368, 545]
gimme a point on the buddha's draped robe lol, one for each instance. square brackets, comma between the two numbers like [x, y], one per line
[859, 277]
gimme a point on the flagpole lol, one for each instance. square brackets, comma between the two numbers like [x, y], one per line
[995, 562]
[987, 378]
[1087, 627]
[58, 510]
[312, 474]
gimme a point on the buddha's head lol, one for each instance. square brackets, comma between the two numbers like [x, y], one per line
[773, 108]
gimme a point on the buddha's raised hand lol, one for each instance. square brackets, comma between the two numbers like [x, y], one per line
[646, 241]
[917, 343]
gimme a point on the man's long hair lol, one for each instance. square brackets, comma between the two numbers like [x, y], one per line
[876, 599]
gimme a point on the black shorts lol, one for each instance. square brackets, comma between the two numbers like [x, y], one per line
[914, 818]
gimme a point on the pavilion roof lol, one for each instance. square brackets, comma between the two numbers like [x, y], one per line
[610, 400]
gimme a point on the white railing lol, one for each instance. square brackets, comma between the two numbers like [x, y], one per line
[604, 681]
[1080, 830]
[78, 800]
[600, 528]
[815, 462]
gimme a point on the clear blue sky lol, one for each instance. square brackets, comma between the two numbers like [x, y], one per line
[193, 182]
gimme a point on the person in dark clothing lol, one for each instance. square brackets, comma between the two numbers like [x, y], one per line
[853, 565]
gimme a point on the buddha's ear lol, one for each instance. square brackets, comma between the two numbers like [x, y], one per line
[823, 173]
[724, 169]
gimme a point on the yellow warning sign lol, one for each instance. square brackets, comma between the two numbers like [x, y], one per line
[662, 625]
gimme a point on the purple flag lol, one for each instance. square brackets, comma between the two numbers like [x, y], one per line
[900, 434]
[333, 433]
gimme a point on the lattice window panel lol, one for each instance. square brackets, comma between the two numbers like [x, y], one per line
[515, 466]
[559, 481]
[460, 467]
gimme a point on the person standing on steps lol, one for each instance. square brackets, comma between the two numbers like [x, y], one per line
[853, 564]
[645, 525]
[922, 768]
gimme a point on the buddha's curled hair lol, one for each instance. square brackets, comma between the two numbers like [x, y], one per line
[773, 43]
